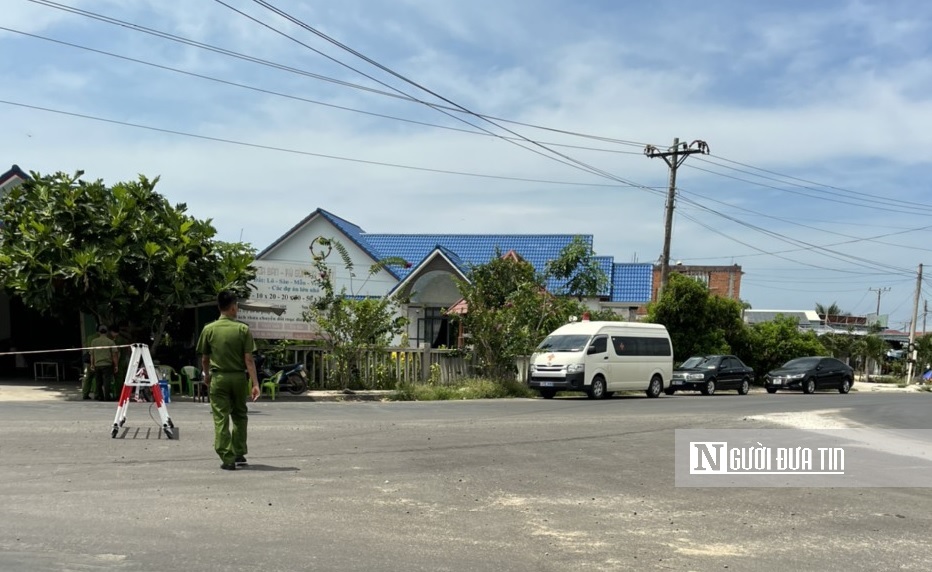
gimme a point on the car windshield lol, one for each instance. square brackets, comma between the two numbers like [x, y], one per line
[802, 363]
[700, 362]
[563, 343]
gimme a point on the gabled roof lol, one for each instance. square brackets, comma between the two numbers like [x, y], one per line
[631, 282]
[452, 259]
[627, 282]
[352, 231]
[472, 249]
[14, 173]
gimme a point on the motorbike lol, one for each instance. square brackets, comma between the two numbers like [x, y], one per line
[290, 377]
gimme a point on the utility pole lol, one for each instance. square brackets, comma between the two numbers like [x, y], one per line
[925, 312]
[912, 330]
[673, 157]
[879, 292]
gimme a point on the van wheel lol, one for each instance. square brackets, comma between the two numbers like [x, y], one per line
[597, 389]
[547, 393]
[655, 388]
[744, 388]
[708, 388]
[809, 386]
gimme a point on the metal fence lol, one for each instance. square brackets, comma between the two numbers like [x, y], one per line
[389, 367]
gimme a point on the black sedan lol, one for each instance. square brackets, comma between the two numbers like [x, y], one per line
[710, 373]
[811, 374]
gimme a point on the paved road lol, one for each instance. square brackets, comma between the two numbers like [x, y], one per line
[524, 485]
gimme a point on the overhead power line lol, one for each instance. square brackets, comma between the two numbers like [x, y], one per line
[287, 95]
[290, 69]
[300, 152]
[535, 145]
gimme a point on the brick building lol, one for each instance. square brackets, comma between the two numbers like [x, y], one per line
[723, 281]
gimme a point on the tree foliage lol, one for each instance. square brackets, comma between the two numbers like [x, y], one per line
[778, 341]
[117, 253]
[578, 270]
[699, 322]
[510, 310]
[351, 324]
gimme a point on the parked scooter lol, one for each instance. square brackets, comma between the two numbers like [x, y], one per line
[291, 377]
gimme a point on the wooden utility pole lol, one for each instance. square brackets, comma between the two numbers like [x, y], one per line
[912, 330]
[879, 292]
[673, 157]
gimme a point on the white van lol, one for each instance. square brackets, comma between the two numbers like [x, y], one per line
[600, 358]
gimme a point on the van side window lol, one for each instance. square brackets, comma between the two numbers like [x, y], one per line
[625, 345]
[599, 345]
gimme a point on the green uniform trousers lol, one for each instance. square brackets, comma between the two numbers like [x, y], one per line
[228, 394]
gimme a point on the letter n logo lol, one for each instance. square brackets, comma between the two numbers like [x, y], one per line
[708, 457]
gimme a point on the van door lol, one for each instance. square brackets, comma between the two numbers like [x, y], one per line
[627, 366]
[597, 360]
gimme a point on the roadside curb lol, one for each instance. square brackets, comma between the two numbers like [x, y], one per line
[38, 391]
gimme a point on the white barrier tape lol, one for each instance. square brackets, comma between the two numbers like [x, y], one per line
[65, 350]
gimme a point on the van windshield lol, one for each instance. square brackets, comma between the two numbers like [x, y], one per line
[563, 343]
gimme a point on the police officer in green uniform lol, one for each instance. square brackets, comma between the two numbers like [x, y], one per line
[226, 348]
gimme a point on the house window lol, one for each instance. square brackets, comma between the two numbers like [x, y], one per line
[434, 329]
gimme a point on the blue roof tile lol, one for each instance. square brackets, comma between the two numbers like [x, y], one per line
[471, 249]
[631, 282]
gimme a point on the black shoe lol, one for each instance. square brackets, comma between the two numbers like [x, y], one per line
[230, 467]
[241, 461]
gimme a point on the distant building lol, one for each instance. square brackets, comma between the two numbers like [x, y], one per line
[434, 262]
[724, 281]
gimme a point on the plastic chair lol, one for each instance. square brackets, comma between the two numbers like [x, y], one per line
[191, 376]
[169, 373]
[270, 384]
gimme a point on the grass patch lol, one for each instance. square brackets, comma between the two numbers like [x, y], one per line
[885, 379]
[475, 388]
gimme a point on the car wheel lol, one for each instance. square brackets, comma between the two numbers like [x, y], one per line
[845, 386]
[669, 391]
[771, 390]
[597, 389]
[655, 388]
[744, 388]
[708, 388]
[547, 393]
[809, 386]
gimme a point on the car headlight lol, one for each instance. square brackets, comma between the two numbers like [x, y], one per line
[694, 377]
[533, 367]
[575, 368]
[796, 376]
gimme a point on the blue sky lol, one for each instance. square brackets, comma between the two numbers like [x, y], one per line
[818, 117]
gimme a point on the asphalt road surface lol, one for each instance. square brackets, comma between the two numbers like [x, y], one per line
[524, 485]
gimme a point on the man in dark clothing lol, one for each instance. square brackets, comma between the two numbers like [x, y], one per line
[226, 346]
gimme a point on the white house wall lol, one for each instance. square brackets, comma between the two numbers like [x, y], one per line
[282, 280]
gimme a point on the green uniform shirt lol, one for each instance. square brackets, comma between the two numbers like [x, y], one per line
[226, 341]
[102, 356]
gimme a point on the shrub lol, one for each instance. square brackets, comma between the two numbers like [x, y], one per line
[476, 388]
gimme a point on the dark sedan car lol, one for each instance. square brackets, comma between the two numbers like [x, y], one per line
[710, 373]
[811, 374]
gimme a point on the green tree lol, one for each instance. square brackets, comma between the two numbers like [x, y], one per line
[117, 253]
[351, 324]
[775, 342]
[698, 321]
[577, 270]
[510, 310]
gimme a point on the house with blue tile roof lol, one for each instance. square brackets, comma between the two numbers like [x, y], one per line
[434, 262]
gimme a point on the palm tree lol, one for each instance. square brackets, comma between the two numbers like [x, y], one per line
[824, 311]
